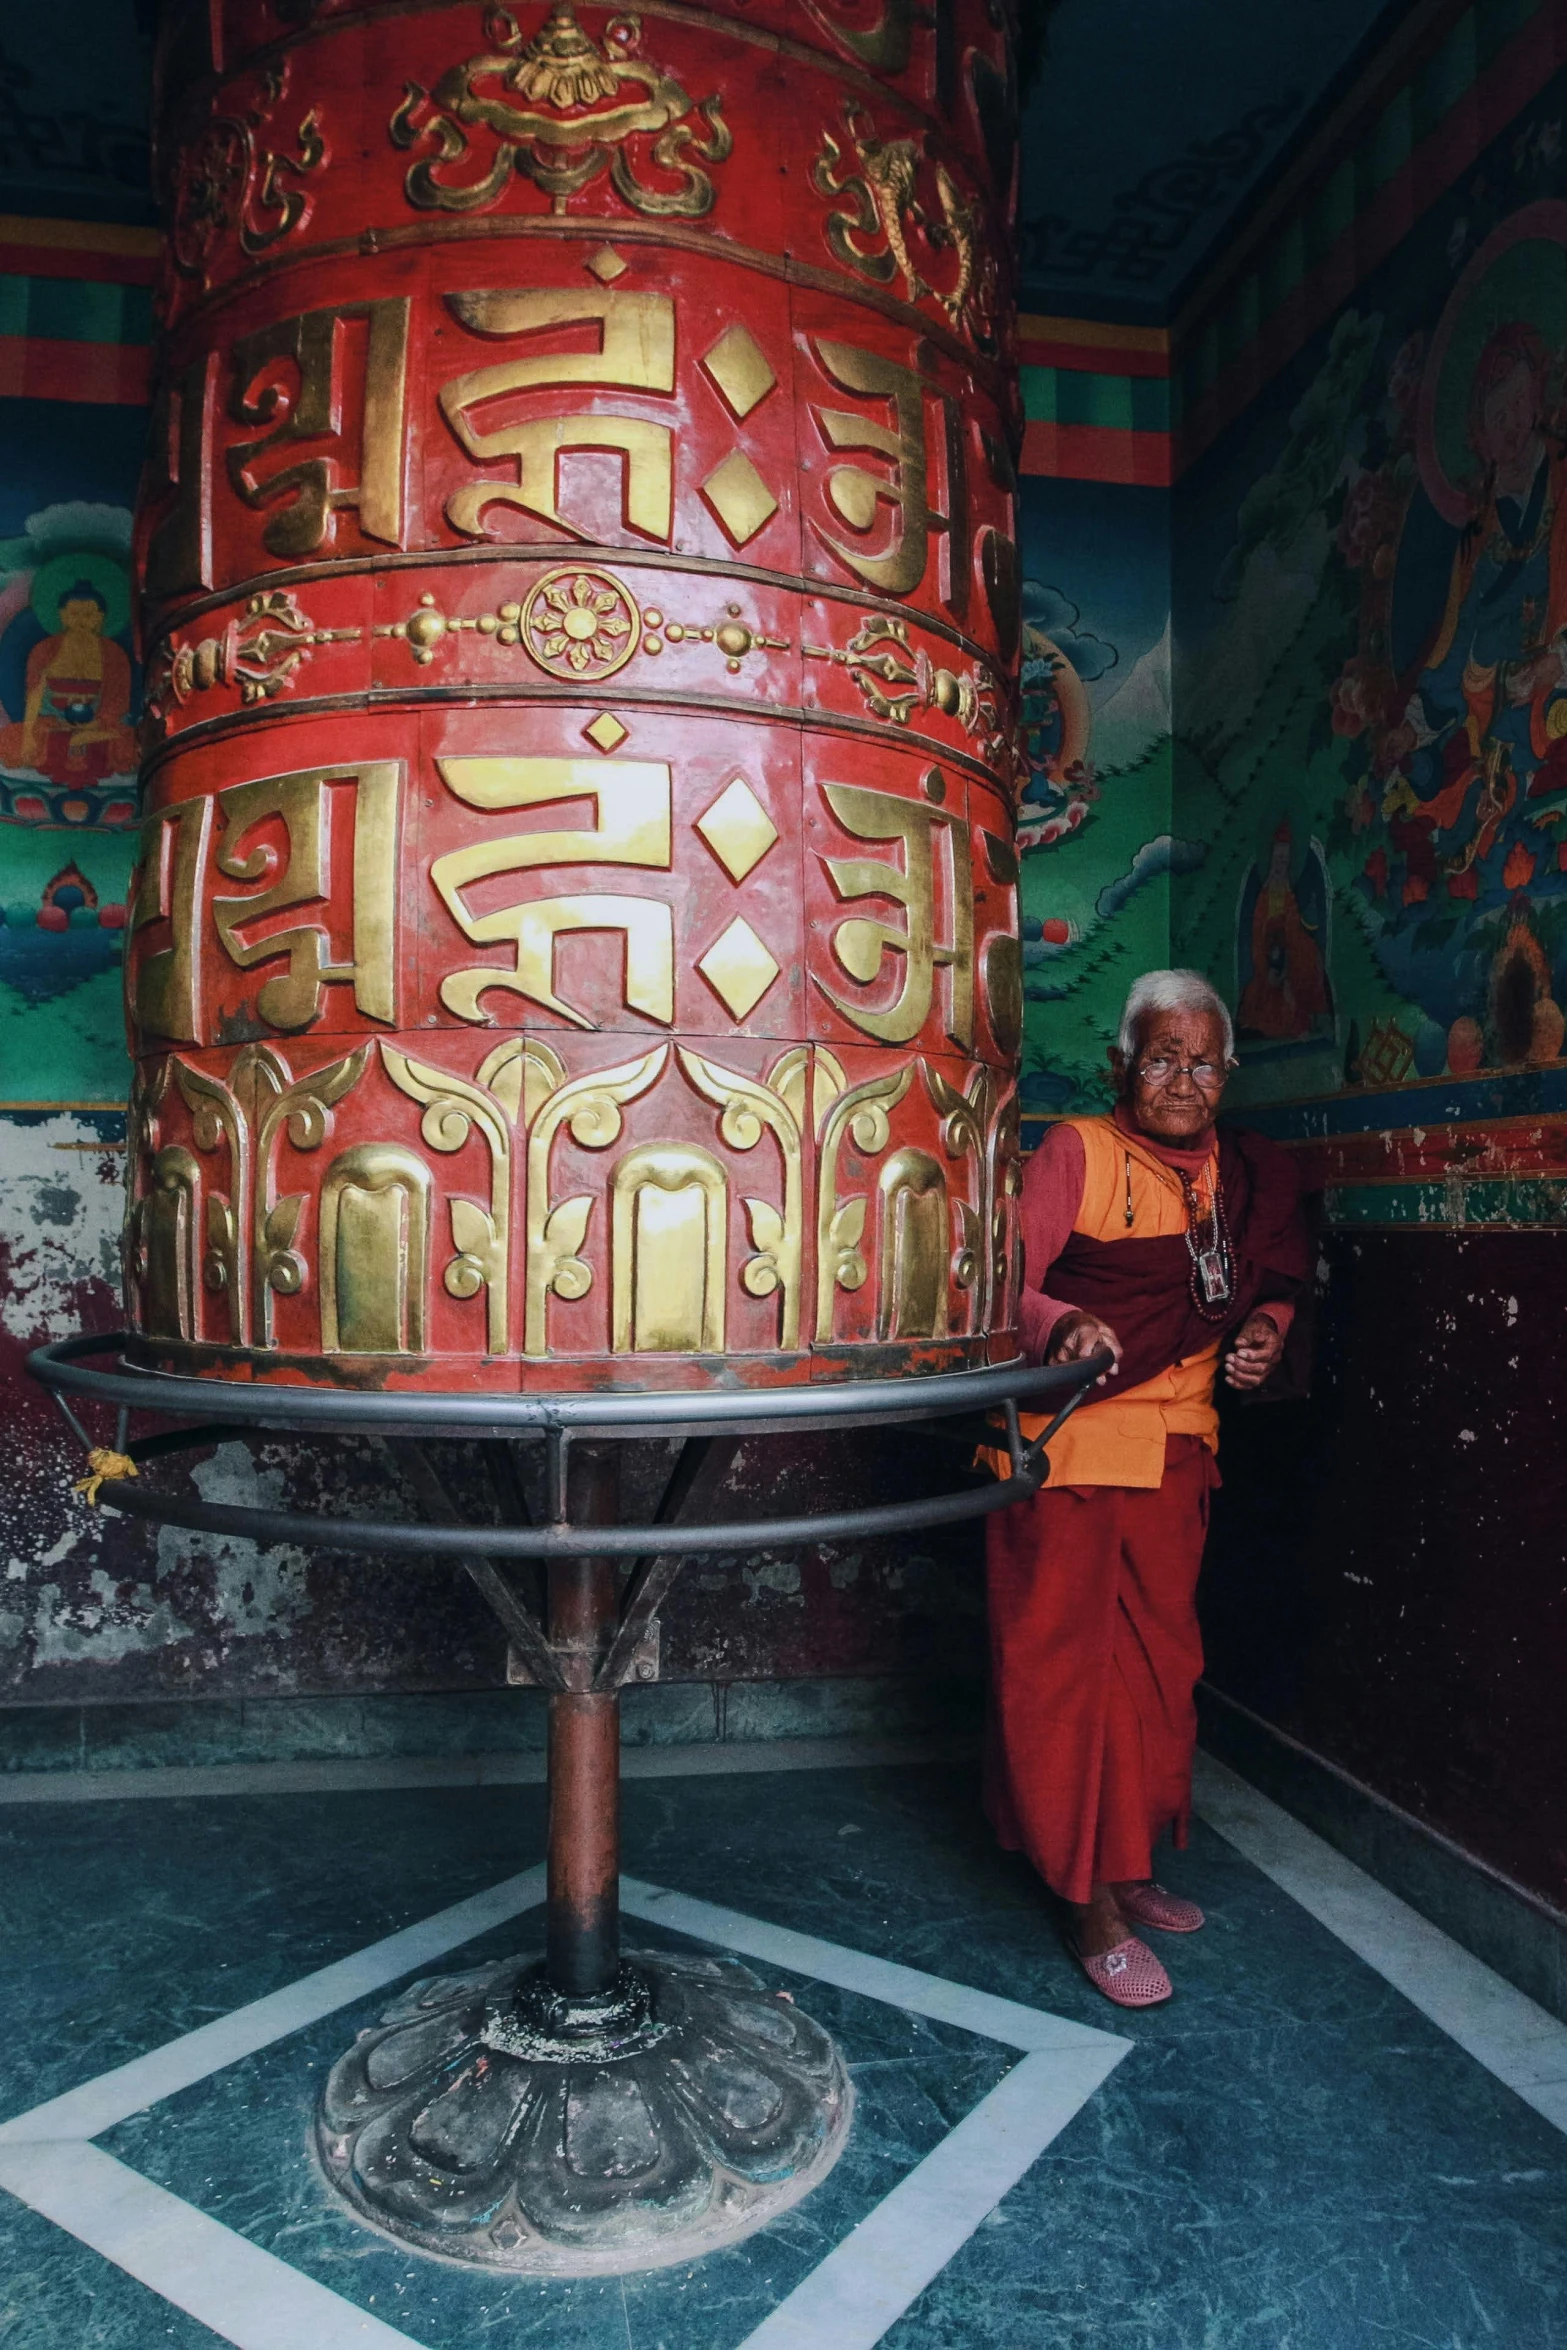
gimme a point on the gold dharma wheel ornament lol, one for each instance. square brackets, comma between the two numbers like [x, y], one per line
[581, 624]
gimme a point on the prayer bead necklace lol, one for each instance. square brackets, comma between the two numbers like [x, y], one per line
[1212, 1273]
[1213, 1263]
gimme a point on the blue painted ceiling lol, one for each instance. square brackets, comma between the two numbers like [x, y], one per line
[1150, 125]
[74, 99]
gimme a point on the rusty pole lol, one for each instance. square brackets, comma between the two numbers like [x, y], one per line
[583, 1913]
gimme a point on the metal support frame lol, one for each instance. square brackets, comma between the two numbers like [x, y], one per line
[585, 2024]
[958, 1404]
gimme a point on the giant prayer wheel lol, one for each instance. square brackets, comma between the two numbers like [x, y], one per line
[575, 934]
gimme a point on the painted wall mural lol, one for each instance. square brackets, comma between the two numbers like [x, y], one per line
[69, 702]
[1370, 594]
[1456, 694]
[1096, 835]
[1304, 723]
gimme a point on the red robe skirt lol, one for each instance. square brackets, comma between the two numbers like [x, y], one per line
[1095, 1654]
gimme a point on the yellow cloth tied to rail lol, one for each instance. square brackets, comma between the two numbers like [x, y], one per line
[103, 1465]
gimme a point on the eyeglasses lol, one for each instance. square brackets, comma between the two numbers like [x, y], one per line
[1207, 1076]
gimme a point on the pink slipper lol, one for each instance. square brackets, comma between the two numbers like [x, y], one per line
[1151, 1905]
[1130, 1975]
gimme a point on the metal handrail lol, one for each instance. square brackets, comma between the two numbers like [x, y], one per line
[598, 1412]
[557, 1419]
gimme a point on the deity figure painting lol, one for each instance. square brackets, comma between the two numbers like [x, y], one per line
[1490, 696]
[68, 686]
[1371, 631]
[68, 794]
[74, 725]
[1281, 975]
[1061, 660]
[1460, 682]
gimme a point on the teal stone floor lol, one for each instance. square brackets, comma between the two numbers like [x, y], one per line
[1289, 2157]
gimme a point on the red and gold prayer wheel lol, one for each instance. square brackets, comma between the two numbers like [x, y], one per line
[574, 940]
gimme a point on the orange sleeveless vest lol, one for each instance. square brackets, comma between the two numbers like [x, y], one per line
[1118, 1439]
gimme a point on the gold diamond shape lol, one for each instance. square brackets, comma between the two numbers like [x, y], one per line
[737, 366]
[607, 265]
[738, 829]
[738, 968]
[607, 731]
[739, 497]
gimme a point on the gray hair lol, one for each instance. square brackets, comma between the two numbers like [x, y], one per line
[1172, 991]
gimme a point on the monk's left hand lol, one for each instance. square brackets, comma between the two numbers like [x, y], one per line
[1259, 1343]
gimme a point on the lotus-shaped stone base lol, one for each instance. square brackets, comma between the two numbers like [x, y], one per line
[485, 2120]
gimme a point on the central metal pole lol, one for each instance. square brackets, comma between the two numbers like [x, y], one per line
[583, 1916]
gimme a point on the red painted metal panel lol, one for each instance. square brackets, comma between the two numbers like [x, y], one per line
[575, 937]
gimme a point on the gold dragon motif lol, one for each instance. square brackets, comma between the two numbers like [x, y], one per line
[880, 205]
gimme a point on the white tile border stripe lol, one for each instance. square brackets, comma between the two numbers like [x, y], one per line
[246, 2295]
[249, 2297]
[256, 2301]
[992, 2018]
[1500, 2027]
[866, 2283]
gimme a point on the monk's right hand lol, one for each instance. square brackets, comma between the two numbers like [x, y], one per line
[1078, 1335]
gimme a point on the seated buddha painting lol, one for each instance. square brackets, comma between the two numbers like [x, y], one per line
[69, 695]
[74, 723]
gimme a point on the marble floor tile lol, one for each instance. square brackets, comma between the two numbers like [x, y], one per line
[236, 2146]
[56, 2293]
[1291, 2157]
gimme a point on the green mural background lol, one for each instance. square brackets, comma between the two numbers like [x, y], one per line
[1338, 784]
[1095, 817]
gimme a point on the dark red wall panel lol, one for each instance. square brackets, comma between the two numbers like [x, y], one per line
[1386, 1579]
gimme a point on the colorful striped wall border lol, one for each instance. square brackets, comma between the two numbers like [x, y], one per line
[78, 248]
[1449, 1154]
[1442, 1154]
[75, 310]
[1097, 401]
[1489, 1204]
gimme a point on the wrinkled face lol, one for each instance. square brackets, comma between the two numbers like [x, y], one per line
[1175, 1080]
[79, 613]
[1511, 416]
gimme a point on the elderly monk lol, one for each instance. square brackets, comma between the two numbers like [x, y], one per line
[1156, 1237]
